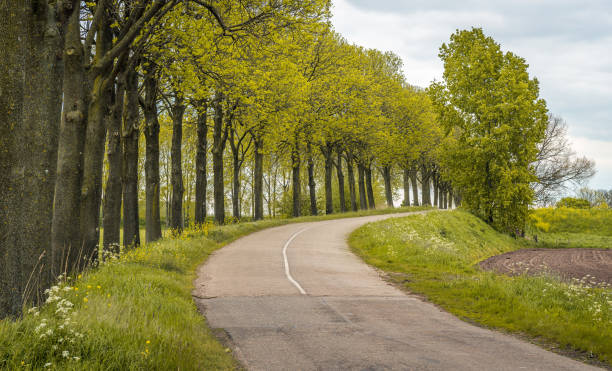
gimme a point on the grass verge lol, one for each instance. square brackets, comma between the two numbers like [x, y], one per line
[436, 255]
[132, 313]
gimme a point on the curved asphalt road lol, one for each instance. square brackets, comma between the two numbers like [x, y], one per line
[327, 310]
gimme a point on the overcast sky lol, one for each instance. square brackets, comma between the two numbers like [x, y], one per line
[567, 43]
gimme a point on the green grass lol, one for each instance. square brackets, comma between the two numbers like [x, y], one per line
[134, 313]
[436, 255]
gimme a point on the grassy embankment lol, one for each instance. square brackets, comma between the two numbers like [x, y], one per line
[133, 313]
[436, 255]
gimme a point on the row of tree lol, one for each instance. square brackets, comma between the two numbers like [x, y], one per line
[261, 91]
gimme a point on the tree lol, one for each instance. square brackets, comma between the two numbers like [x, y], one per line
[488, 100]
[557, 167]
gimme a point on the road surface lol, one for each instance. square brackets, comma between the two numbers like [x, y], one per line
[295, 298]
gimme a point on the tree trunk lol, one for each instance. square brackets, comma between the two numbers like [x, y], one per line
[258, 181]
[425, 185]
[201, 181]
[351, 182]
[340, 182]
[93, 156]
[415, 189]
[30, 99]
[363, 201]
[295, 182]
[219, 140]
[388, 189]
[152, 177]
[406, 201]
[131, 227]
[440, 201]
[65, 235]
[436, 190]
[311, 181]
[176, 215]
[111, 215]
[368, 175]
[236, 183]
[327, 151]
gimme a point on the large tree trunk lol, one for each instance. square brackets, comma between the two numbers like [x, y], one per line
[340, 182]
[312, 186]
[176, 215]
[388, 189]
[295, 182]
[219, 140]
[406, 201]
[425, 185]
[131, 227]
[65, 235]
[201, 181]
[258, 181]
[368, 174]
[30, 76]
[111, 215]
[415, 189]
[363, 200]
[152, 178]
[351, 182]
[93, 155]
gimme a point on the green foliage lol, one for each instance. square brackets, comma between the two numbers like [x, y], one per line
[491, 111]
[437, 254]
[574, 203]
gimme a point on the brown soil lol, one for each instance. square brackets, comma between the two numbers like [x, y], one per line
[592, 266]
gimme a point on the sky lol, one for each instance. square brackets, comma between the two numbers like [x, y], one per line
[567, 44]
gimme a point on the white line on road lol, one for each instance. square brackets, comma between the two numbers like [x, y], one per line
[287, 272]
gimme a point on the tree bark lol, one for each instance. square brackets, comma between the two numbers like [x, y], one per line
[65, 234]
[258, 181]
[425, 185]
[351, 182]
[93, 155]
[219, 141]
[406, 179]
[363, 200]
[176, 215]
[415, 189]
[388, 189]
[368, 175]
[295, 182]
[436, 190]
[327, 151]
[201, 180]
[152, 177]
[235, 176]
[131, 123]
[111, 215]
[312, 186]
[340, 182]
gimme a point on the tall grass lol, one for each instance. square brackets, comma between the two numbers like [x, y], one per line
[437, 254]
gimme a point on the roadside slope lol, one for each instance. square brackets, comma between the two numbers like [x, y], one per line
[436, 255]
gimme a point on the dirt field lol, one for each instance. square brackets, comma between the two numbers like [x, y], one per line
[593, 266]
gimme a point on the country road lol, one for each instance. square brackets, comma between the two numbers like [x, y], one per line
[295, 298]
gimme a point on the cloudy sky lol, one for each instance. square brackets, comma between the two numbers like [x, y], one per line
[567, 43]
